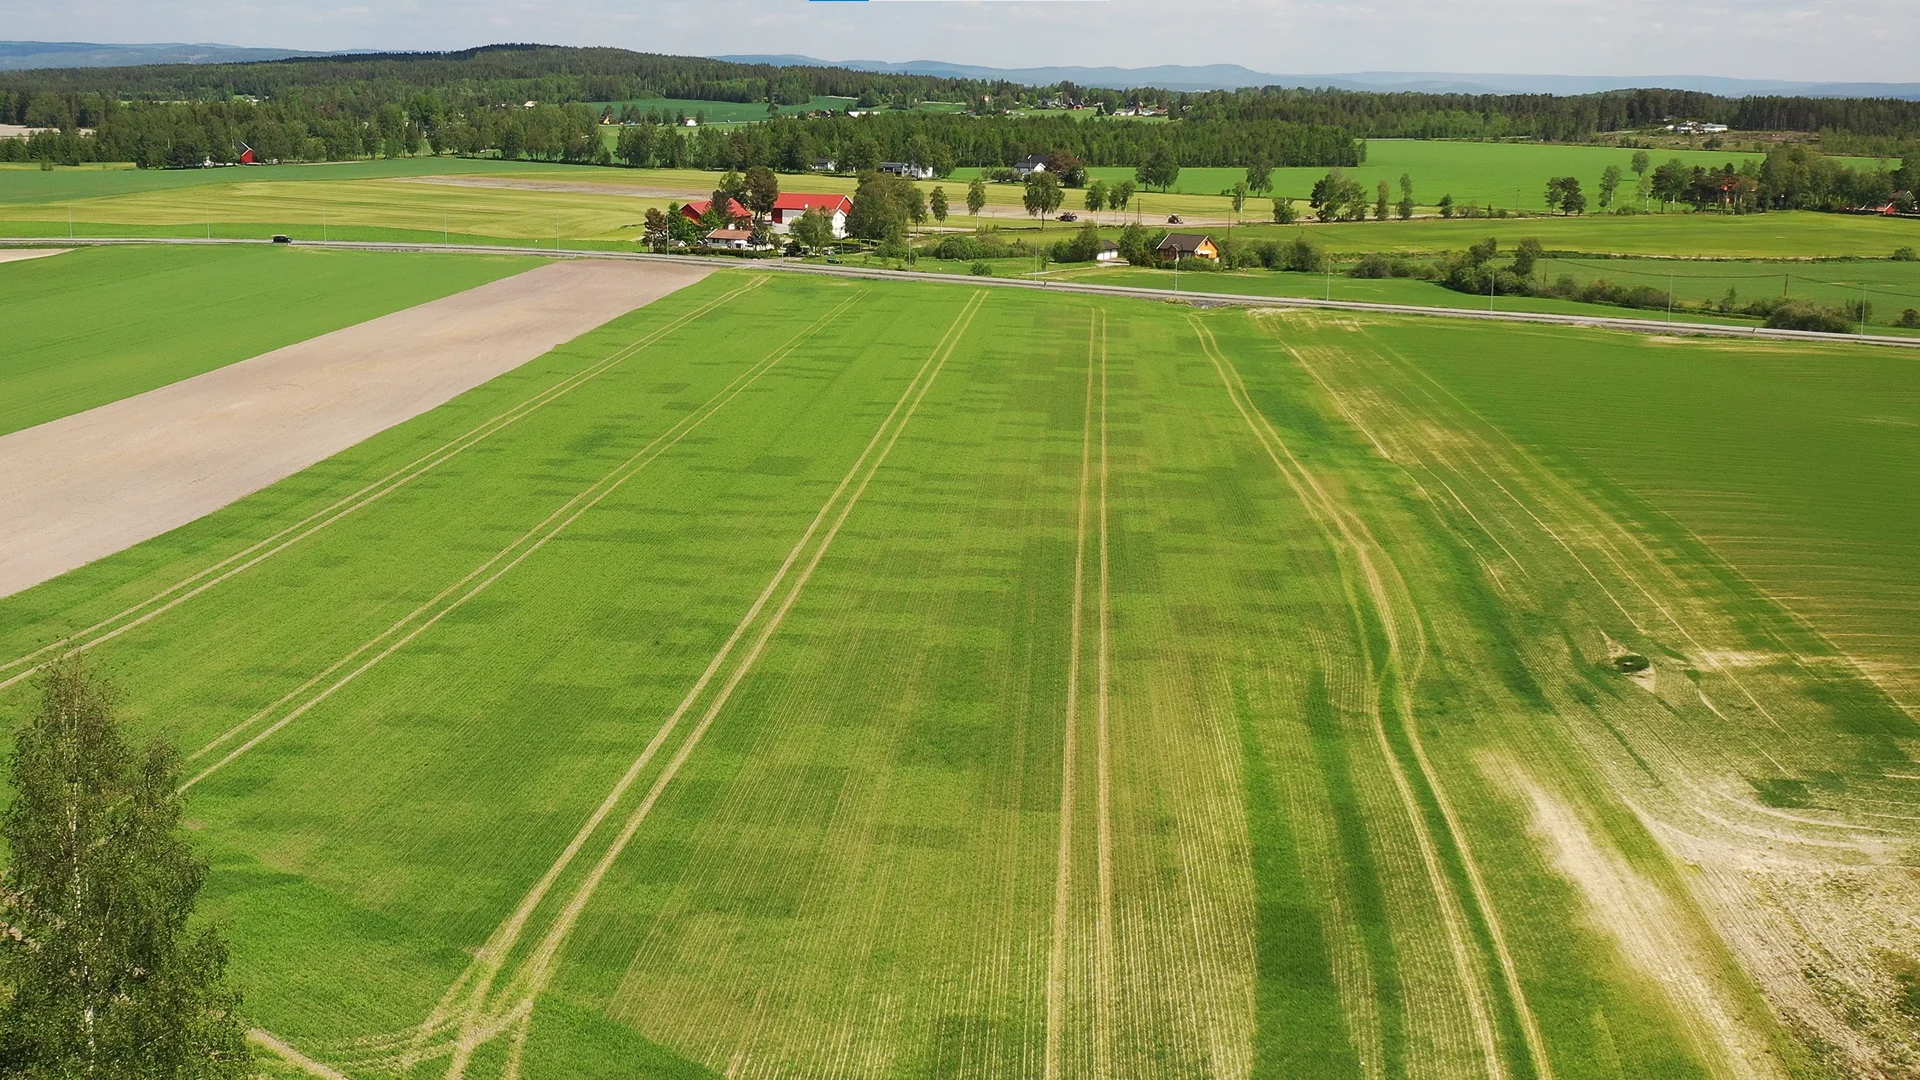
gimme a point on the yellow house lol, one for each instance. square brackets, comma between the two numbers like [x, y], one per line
[1188, 246]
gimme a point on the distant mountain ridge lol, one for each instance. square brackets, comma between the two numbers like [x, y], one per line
[1234, 76]
[24, 55]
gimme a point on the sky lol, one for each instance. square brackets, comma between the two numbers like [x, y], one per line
[1816, 40]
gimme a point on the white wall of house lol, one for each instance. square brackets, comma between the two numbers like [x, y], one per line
[783, 222]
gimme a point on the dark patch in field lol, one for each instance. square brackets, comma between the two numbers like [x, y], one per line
[1782, 792]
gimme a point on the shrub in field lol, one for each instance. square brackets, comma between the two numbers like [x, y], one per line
[1377, 265]
[1139, 245]
[1910, 319]
[1301, 255]
[980, 269]
[1083, 246]
[1797, 315]
[1904, 254]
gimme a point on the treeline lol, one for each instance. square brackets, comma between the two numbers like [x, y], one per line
[943, 141]
[179, 134]
[175, 134]
[476, 102]
[494, 74]
[1547, 116]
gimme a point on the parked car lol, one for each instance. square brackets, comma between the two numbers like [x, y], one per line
[1069, 216]
[282, 238]
[1174, 219]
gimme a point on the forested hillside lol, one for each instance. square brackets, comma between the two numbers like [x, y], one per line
[533, 101]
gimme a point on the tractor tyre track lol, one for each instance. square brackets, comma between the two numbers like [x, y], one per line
[146, 610]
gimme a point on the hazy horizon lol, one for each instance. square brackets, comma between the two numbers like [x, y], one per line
[1768, 39]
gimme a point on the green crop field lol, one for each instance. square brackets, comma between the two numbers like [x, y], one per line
[98, 324]
[459, 200]
[1489, 173]
[721, 112]
[807, 676]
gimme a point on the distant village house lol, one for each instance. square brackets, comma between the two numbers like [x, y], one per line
[1188, 246]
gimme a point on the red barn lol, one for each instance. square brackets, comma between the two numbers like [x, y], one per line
[697, 209]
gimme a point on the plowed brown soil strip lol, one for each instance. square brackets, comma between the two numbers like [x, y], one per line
[85, 486]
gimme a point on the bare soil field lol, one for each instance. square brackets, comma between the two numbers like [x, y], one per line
[94, 483]
[8, 255]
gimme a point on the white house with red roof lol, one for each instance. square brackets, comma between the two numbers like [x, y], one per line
[788, 208]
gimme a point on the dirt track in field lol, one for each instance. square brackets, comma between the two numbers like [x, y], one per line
[8, 255]
[88, 485]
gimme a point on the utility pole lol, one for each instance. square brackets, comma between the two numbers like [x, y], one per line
[1669, 295]
[1863, 307]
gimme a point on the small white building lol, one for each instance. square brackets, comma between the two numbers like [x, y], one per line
[911, 172]
[733, 240]
[1030, 164]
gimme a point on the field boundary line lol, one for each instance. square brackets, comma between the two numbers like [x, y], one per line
[1547, 318]
[478, 1020]
[1069, 754]
[367, 494]
[608, 483]
[1326, 515]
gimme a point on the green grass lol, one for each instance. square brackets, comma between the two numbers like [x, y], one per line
[29, 185]
[98, 324]
[847, 850]
[721, 112]
[581, 204]
[1494, 174]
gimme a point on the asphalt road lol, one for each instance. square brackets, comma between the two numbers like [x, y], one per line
[1201, 299]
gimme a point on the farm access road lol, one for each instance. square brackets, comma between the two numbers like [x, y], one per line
[1198, 299]
[88, 485]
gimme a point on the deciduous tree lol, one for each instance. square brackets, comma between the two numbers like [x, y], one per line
[814, 230]
[1096, 196]
[1043, 195]
[106, 976]
[763, 190]
[1260, 174]
[1609, 185]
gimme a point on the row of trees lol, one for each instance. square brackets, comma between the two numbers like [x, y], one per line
[1338, 197]
[1553, 117]
[175, 134]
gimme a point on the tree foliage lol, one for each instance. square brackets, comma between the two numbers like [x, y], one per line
[106, 977]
